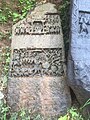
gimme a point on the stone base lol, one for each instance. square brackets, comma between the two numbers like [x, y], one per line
[46, 95]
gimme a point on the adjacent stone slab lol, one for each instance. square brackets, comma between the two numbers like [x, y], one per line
[37, 78]
[79, 53]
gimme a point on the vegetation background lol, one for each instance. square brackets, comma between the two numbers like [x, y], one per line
[11, 11]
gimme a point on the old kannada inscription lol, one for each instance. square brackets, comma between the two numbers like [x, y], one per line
[49, 25]
[30, 62]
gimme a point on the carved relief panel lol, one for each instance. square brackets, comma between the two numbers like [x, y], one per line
[31, 62]
[48, 25]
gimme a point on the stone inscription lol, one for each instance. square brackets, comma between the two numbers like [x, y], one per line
[30, 62]
[49, 25]
[84, 24]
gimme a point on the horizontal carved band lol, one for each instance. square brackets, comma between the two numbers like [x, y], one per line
[49, 25]
[32, 62]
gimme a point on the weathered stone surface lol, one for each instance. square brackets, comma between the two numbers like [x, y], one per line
[37, 75]
[56, 2]
[79, 53]
[0, 67]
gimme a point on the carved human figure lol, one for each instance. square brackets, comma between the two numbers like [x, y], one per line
[83, 24]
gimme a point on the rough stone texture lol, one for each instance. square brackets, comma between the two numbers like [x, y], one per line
[0, 67]
[2, 63]
[79, 53]
[56, 2]
[37, 75]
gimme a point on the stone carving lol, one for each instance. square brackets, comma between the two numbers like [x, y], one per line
[30, 62]
[79, 60]
[84, 24]
[49, 25]
[74, 18]
[37, 76]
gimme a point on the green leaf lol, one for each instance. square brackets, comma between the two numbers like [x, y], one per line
[14, 116]
[5, 80]
[38, 117]
[7, 60]
[86, 104]
[23, 113]
[63, 118]
[15, 15]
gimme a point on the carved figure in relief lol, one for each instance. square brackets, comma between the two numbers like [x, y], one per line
[37, 26]
[83, 24]
[48, 25]
[30, 62]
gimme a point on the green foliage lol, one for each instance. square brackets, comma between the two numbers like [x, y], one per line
[86, 104]
[73, 114]
[26, 115]
[5, 114]
[6, 36]
[3, 110]
[76, 114]
[7, 13]
[1, 35]
[11, 12]
[3, 18]
[6, 60]
[65, 21]
[63, 118]
[4, 14]
[26, 6]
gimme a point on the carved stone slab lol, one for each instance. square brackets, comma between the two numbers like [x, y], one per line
[37, 69]
[79, 53]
